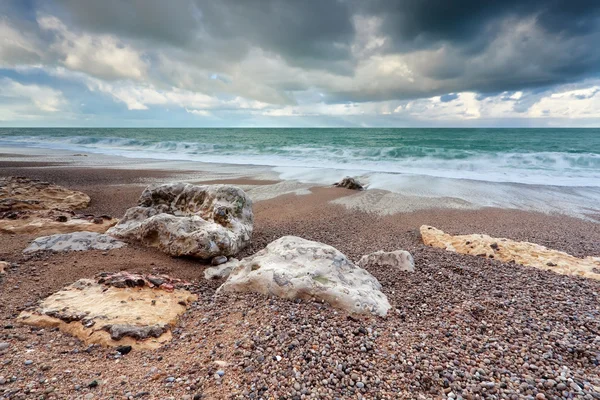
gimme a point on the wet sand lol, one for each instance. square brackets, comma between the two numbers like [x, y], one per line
[460, 326]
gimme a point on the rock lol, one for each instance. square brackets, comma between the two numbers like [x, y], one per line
[76, 241]
[506, 250]
[4, 346]
[116, 310]
[400, 259]
[218, 260]
[20, 193]
[3, 267]
[296, 268]
[222, 271]
[39, 208]
[49, 222]
[187, 220]
[124, 349]
[349, 183]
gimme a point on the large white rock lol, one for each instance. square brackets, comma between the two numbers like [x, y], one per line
[188, 220]
[401, 260]
[76, 241]
[292, 267]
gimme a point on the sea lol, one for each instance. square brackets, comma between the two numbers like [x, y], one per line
[557, 157]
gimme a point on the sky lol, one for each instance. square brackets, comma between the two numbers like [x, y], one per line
[289, 63]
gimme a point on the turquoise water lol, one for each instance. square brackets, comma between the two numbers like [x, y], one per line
[566, 157]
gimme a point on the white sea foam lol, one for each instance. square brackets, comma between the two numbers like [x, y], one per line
[318, 164]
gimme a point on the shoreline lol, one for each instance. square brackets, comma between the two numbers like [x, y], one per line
[405, 193]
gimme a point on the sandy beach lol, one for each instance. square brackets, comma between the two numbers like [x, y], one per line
[460, 326]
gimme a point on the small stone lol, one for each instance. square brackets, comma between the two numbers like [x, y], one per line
[360, 385]
[4, 346]
[170, 379]
[28, 362]
[297, 386]
[220, 372]
[561, 386]
[124, 349]
[93, 384]
[218, 260]
[540, 396]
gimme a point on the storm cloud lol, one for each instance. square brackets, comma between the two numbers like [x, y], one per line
[269, 58]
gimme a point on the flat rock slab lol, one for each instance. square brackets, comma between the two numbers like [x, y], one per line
[20, 193]
[293, 267]
[115, 310]
[506, 250]
[48, 222]
[76, 241]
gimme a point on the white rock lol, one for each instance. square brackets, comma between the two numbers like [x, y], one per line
[221, 271]
[292, 267]
[400, 259]
[188, 220]
[75, 241]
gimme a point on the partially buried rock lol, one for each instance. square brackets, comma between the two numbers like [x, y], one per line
[29, 206]
[48, 222]
[292, 268]
[20, 193]
[221, 271]
[101, 311]
[401, 260]
[506, 250]
[349, 183]
[188, 220]
[76, 241]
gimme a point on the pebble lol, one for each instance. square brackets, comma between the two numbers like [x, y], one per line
[28, 362]
[4, 346]
[220, 372]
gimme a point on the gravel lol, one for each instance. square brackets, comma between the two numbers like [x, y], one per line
[460, 327]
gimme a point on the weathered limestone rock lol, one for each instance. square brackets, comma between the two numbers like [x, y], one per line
[76, 241]
[349, 183]
[29, 206]
[20, 193]
[115, 310]
[221, 271]
[188, 220]
[49, 222]
[401, 260]
[292, 267]
[506, 250]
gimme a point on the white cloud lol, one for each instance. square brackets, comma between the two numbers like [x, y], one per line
[18, 100]
[102, 56]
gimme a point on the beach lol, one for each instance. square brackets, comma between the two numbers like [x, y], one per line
[459, 326]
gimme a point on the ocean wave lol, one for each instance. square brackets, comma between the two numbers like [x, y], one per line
[567, 168]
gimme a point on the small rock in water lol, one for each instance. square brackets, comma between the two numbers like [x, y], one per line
[349, 183]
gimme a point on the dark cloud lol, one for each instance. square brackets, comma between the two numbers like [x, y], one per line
[448, 46]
